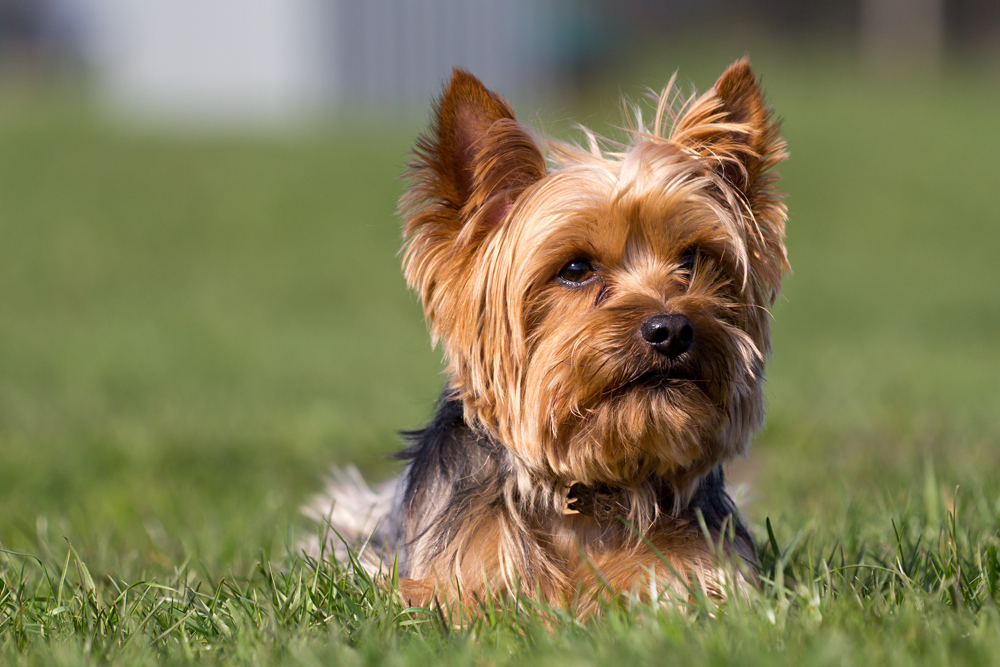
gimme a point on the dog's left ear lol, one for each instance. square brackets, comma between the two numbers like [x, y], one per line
[734, 129]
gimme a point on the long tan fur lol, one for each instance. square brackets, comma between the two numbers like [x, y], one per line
[549, 378]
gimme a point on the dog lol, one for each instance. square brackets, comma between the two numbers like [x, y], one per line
[603, 311]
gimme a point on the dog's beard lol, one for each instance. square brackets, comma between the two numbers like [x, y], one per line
[637, 431]
[622, 417]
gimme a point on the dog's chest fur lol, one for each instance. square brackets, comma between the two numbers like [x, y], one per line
[469, 516]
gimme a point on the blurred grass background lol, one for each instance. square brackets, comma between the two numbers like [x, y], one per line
[194, 328]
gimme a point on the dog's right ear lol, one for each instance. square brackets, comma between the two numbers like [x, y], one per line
[473, 163]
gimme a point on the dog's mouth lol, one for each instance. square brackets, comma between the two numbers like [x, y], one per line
[660, 379]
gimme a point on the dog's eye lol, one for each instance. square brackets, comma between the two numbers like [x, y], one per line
[577, 271]
[688, 260]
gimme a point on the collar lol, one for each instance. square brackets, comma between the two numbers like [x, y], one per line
[601, 502]
[607, 502]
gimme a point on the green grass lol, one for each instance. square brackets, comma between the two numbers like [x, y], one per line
[193, 330]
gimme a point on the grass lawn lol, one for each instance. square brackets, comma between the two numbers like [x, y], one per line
[192, 330]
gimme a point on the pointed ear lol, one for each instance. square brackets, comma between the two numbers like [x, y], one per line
[743, 102]
[463, 116]
[475, 154]
[734, 125]
[734, 129]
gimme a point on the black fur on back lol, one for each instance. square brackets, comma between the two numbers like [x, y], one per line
[715, 505]
[448, 458]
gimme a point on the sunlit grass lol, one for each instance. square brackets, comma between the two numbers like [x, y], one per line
[836, 593]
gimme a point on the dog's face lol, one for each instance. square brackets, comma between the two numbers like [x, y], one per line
[605, 315]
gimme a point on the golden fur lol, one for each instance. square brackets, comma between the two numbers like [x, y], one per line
[552, 391]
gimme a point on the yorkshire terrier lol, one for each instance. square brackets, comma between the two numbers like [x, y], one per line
[604, 316]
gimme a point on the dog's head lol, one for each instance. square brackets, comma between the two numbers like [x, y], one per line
[603, 312]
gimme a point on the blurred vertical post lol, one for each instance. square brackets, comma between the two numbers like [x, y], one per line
[903, 35]
[395, 54]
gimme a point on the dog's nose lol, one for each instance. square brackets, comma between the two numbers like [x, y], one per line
[670, 335]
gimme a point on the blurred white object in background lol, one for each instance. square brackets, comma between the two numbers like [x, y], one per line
[273, 60]
[210, 59]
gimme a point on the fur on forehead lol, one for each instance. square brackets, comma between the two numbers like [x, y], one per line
[654, 195]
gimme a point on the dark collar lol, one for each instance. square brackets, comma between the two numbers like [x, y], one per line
[602, 502]
[605, 502]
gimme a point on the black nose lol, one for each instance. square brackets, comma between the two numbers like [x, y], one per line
[670, 335]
